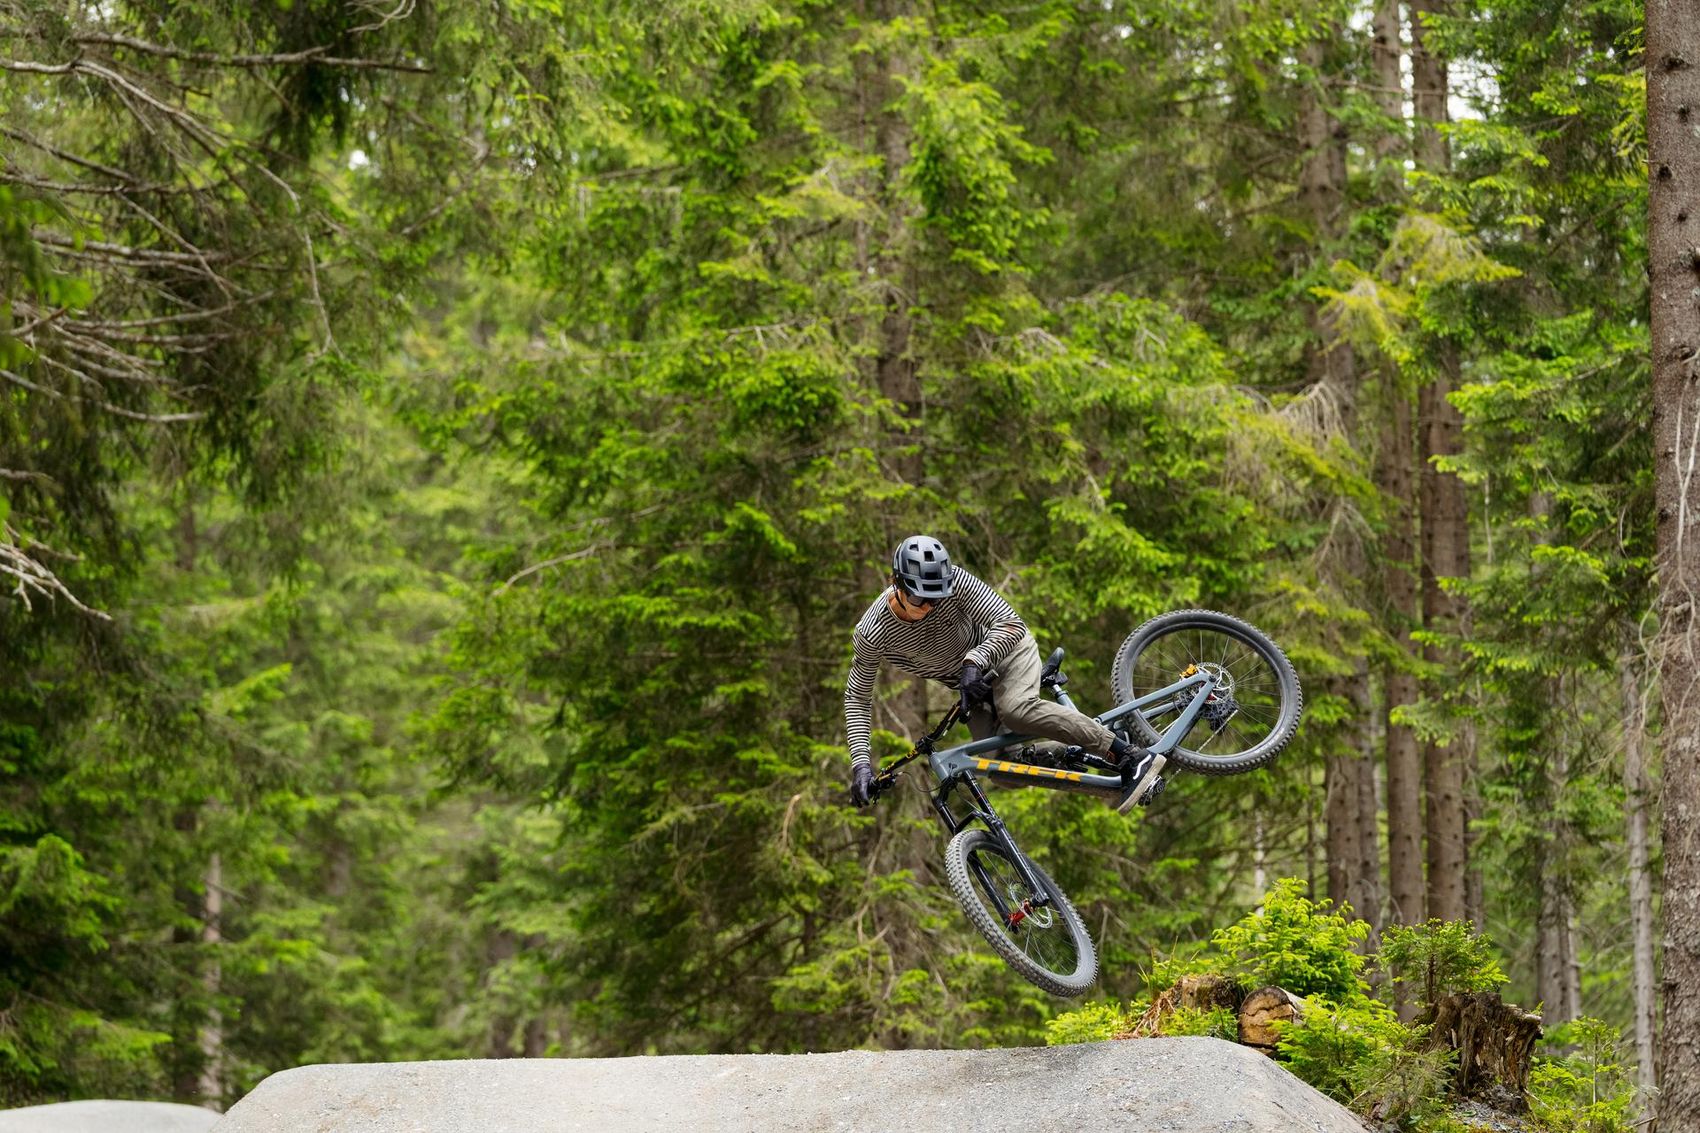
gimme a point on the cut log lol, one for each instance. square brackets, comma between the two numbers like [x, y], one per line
[1200, 993]
[1263, 1014]
[1494, 1041]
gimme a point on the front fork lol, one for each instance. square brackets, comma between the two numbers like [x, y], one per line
[982, 810]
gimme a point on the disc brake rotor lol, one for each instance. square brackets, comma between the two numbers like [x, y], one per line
[1041, 916]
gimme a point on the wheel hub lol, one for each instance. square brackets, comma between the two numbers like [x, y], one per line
[1025, 910]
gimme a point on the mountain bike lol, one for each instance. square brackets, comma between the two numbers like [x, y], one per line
[1206, 691]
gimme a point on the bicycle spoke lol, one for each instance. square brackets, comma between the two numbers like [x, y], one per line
[1242, 674]
[1041, 934]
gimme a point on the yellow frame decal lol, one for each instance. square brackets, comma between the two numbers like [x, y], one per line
[1025, 769]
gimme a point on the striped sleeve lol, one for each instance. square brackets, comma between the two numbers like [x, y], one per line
[859, 701]
[986, 607]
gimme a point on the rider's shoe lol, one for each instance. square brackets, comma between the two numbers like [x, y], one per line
[1142, 779]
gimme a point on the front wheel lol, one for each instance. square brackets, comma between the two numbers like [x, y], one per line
[1254, 706]
[1045, 942]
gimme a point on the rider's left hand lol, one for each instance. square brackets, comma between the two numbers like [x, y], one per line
[976, 688]
[861, 784]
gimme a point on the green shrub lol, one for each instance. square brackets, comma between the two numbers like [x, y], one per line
[1214, 1022]
[1332, 1044]
[1350, 1045]
[1439, 958]
[1588, 1091]
[1094, 1022]
[1297, 944]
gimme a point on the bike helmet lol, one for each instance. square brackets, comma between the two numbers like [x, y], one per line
[923, 569]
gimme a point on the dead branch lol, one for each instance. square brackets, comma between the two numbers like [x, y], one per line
[33, 577]
[318, 55]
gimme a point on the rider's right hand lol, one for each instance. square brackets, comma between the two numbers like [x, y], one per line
[861, 784]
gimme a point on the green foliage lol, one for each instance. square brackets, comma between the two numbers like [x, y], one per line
[1590, 1089]
[1439, 958]
[1298, 944]
[1093, 1023]
[1335, 1048]
[1347, 1043]
[535, 423]
[1212, 1022]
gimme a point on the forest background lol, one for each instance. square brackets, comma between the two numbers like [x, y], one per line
[444, 448]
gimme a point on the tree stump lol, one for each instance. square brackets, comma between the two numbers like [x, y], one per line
[1201, 993]
[1263, 1013]
[1494, 1041]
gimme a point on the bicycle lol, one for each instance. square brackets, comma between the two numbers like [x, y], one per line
[1186, 676]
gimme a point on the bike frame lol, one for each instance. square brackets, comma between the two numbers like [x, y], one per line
[962, 765]
[965, 760]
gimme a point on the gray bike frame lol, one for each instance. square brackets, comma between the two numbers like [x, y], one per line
[964, 764]
[965, 760]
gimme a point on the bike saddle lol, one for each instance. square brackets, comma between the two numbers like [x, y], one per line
[1051, 676]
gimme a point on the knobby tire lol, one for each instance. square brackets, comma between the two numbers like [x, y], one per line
[978, 843]
[1248, 642]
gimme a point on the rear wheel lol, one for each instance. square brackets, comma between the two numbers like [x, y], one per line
[1046, 942]
[1252, 712]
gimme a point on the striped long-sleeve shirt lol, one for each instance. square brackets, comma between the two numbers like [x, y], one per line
[973, 624]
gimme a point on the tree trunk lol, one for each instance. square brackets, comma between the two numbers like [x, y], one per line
[212, 1032]
[1367, 896]
[1673, 150]
[1353, 842]
[885, 253]
[1408, 900]
[198, 1040]
[1428, 90]
[1557, 971]
[1446, 554]
[1637, 792]
[1445, 517]
[1494, 1041]
[1385, 55]
[1673, 103]
[1556, 963]
[1396, 477]
[499, 947]
[1322, 184]
[1263, 1014]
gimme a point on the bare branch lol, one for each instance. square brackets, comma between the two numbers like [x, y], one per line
[310, 55]
[64, 155]
[33, 577]
[557, 561]
[128, 252]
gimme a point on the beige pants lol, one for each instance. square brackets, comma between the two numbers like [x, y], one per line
[1022, 710]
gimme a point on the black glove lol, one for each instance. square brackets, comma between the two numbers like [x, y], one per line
[976, 689]
[861, 784]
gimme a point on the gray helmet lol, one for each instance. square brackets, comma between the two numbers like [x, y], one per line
[922, 567]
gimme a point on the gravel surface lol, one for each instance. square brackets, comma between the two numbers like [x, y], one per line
[1174, 1085]
[108, 1117]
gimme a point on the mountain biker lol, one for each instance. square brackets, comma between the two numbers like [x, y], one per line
[938, 621]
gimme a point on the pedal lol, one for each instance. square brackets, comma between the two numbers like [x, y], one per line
[1157, 787]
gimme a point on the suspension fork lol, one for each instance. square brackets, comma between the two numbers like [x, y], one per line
[984, 812]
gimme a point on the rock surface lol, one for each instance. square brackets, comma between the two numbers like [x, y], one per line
[108, 1117]
[1171, 1085]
